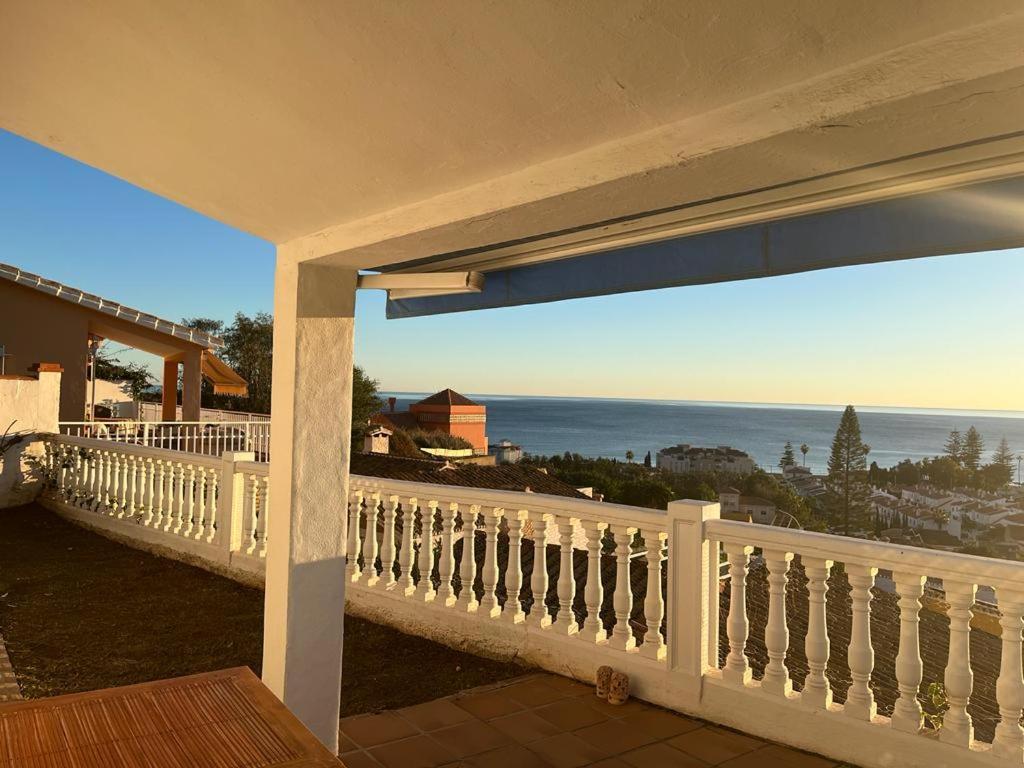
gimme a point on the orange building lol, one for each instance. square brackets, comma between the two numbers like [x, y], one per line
[447, 411]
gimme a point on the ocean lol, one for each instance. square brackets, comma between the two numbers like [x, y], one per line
[609, 427]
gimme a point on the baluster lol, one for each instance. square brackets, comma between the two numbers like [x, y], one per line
[737, 669]
[354, 546]
[425, 587]
[513, 611]
[148, 490]
[405, 549]
[370, 540]
[114, 485]
[189, 522]
[252, 507]
[446, 559]
[539, 616]
[1009, 737]
[565, 620]
[202, 509]
[906, 714]
[622, 636]
[387, 552]
[817, 692]
[776, 633]
[467, 565]
[957, 727]
[654, 602]
[593, 630]
[860, 701]
[263, 519]
[133, 486]
[96, 486]
[127, 467]
[213, 533]
[161, 484]
[489, 573]
[178, 489]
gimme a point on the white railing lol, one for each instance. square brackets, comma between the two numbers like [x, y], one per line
[202, 437]
[588, 601]
[154, 412]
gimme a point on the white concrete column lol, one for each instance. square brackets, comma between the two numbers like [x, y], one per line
[191, 385]
[693, 567]
[311, 425]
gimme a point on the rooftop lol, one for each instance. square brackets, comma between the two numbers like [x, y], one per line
[447, 397]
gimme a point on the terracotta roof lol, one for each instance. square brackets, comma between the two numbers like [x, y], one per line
[395, 420]
[501, 477]
[446, 397]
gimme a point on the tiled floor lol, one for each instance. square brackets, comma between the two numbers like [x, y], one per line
[546, 721]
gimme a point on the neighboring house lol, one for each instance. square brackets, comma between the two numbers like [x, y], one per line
[446, 411]
[683, 459]
[505, 452]
[804, 482]
[738, 506]
[42, 319]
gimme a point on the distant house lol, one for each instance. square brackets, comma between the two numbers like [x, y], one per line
[738, 506]
[446, 411]
[684, 459]
[42, 319]
[505, 452]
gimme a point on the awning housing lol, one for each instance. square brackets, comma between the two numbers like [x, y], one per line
[225, 381]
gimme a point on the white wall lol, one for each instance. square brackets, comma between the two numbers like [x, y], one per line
[28, 406]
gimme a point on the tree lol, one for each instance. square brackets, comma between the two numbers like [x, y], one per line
[647, 460]
[365, 402]
[847, 473]
[805, 449]
[908, 473]
[204, 324]
[630, 456]
[1004, 457]
[954, 448]
[974, 446]
[788, 458]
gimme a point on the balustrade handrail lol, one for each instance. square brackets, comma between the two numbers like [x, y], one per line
[971, 569]
[583, 509]
[202, 459]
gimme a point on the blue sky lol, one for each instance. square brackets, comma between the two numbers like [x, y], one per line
[943, 332]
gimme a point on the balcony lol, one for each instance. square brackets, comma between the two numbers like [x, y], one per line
[801, 643]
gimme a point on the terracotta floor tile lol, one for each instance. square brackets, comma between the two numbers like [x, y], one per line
[418, 752]
[610, 762]
[661, 724]
[345, 744]
[661, 755]
[715, 745]
[567, 686]
[486, 706]
[570, 714]
[615, 710]
[776, 756]
[525, 727]
[358, 759]
[534, 692]
[470, 738]
[435, 714]
[371, 730]
[613, 737]
[566, 750]
[511, 756]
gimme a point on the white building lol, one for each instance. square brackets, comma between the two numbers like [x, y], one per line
[683, 459]
[738, 505]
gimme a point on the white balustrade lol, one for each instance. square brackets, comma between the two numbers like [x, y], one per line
[217, 509]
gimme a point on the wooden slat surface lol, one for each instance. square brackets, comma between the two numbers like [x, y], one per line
[224, 719]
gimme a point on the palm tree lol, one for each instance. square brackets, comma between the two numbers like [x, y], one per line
[805, 449]
[629, 456]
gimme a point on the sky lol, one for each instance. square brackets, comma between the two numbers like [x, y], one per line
[943, 332]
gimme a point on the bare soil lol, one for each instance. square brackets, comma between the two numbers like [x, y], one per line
[81, 612]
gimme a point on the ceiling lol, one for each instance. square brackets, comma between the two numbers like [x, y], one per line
[380, 133]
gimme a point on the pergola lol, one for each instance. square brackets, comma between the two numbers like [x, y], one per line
[528, 152]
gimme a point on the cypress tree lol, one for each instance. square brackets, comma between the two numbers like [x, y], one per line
[974, 446]
[847, 473]
[788, 457]
[955, 447]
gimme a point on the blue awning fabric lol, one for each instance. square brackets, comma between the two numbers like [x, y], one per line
[981, 217]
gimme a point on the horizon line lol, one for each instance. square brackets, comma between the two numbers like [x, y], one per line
[869, 407]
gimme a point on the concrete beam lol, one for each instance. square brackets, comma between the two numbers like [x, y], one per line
[169, 394]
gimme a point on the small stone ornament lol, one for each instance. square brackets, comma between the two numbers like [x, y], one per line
[604, 677]
[618, 688]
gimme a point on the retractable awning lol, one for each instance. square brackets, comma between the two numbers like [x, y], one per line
[225, 381]
[978, 217]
